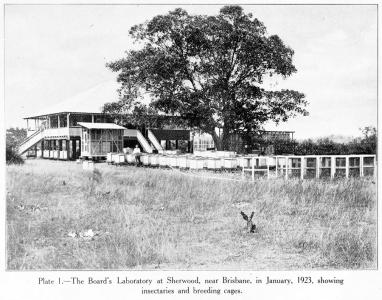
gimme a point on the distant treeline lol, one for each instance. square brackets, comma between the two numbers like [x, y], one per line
[367, 144]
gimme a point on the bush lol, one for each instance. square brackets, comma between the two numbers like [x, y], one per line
[367, 144]
[12, 157]
[14, 136]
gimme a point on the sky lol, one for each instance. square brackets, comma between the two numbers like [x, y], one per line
[56, 52]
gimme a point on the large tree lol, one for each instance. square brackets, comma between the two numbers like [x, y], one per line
[210, 70]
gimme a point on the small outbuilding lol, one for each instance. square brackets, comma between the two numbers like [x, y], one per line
[98, 139]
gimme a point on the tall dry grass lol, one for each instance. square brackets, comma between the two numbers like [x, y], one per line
[150, 218]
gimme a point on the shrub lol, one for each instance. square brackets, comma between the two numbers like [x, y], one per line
[367, 144]
[12, 157]
[14, 136]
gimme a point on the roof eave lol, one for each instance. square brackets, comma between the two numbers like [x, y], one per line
[66, 112]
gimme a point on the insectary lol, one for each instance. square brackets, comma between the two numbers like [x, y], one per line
[251, 227]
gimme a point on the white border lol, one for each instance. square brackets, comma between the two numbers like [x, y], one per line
[23, 285]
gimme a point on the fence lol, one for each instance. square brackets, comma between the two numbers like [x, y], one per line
[311, 166]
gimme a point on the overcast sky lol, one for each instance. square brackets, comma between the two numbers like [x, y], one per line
[55, 52]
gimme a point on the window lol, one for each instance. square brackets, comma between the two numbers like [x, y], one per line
[53, 121]
[203, 143]
[63, 120]
[73, 119]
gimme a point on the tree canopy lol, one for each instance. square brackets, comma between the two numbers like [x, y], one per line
[209, 70]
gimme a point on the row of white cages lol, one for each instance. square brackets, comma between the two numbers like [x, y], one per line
[215, 154]
[176, 161]
[55, 154]
[311, 166]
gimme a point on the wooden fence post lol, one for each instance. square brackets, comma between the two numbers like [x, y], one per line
[317, 167]
[277, 161]
[347, 166]
[253, 169]
[332, 166]
[243, 167]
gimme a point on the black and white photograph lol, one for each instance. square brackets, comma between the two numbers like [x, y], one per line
[180, 137]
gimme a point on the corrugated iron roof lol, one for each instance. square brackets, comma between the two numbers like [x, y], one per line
[100, 125]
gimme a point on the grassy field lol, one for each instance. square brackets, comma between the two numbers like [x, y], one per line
[161, 219]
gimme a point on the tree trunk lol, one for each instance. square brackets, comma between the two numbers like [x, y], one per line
[222, 141]
[217, 140]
